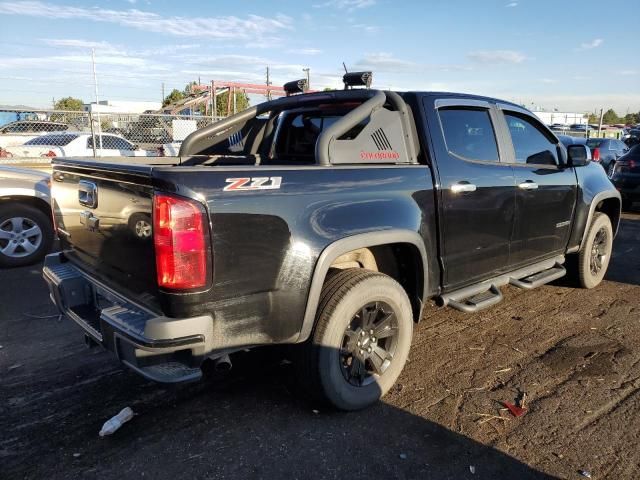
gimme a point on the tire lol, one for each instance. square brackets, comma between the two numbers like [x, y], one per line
[17, 247]
[354, 303]
[594, 257]
[140, 225]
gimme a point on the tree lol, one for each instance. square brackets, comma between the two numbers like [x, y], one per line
[69, 103]
[175, 96]
[631, 118]
[610, 117]
[593, 118]
[222, 103]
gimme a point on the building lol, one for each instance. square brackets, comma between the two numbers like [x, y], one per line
[119, 106]
[565, 118]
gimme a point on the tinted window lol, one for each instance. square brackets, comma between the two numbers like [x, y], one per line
[594, 142]
[469, 133]
[299, 134]
[53, 140]
[110, 142]
[530, 144]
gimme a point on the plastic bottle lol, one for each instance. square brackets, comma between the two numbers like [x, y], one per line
[114, 423]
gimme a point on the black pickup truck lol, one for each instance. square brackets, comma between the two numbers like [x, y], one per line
[326, 220]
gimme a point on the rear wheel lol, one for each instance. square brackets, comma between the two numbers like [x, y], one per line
[26, 235]
[361, 340]
[593, 259]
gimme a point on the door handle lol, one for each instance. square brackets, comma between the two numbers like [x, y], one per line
[528, 185]
[463, 187]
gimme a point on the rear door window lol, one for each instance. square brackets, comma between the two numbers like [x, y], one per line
[53, 140]
[532, 146]
[469, 133]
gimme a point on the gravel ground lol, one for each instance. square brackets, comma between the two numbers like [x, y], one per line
[576, 354]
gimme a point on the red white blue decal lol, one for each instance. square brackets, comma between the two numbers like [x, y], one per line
[253, 183]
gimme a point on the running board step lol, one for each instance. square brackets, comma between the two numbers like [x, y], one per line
[170, 372]
[538, 279]
[475, 301]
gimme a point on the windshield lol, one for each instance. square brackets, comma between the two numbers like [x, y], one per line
[594, 142]
[53, 140]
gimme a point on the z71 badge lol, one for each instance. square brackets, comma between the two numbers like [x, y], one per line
[253, 183]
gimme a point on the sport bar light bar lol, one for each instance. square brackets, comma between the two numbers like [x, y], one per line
[296, 86]
[357, 79]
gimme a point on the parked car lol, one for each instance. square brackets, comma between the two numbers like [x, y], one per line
[606, 150]
[26, 228]
[632, 137]
[581, 127]
[625, 175]
[20, 132]
[569, 140]
[331, 232]
[77, 145]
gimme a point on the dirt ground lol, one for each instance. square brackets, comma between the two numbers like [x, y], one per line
[576, 354]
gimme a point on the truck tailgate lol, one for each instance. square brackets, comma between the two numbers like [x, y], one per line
[103, 214]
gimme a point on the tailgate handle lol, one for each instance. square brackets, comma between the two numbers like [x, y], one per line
[87, 194]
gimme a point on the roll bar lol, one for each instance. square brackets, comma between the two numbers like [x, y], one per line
[374, 100]
[346, 123]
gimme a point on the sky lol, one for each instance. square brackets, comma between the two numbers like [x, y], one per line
[572, 55]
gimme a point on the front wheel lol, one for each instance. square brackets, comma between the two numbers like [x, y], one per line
[361, 340]
[593, 259]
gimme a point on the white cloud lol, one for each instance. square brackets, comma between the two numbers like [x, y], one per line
[592, 44]
[628, 72]
[511, 4]
[548, 81]
[305, 51]
[363, 27]
[349, 5]
[496, 56]
[383, 61]
[251, 27]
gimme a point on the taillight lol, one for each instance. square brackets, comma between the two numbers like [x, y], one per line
[49, 154]
[596, 155]
[179, 237]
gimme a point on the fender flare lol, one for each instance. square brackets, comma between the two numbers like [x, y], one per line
[592, 208]
[345, 245]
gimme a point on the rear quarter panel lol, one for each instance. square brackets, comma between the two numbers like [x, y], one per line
[266, 242]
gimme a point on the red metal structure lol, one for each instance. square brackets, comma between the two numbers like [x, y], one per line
[207, 95]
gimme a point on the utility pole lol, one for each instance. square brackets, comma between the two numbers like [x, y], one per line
[600, 124]
[95, 87]
[163, 97]
[268, 84]
[215, 99]
[306, 70]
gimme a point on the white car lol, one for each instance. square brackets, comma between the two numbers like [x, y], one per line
[66, 144]
[20, 132]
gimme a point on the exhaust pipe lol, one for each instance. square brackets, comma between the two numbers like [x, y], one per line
[223, 364]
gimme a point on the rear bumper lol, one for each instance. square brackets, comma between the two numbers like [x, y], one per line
[159, 348]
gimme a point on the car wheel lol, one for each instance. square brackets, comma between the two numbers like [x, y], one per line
[595, 255]
[26, 235]
[361, 339]
[140, 225]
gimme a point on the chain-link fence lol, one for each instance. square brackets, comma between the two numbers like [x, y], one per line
[39, 135]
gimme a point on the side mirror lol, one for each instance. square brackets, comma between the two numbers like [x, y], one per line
[578, 155]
